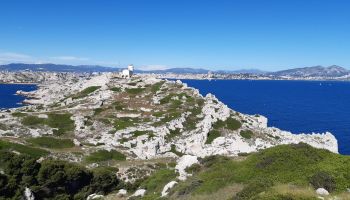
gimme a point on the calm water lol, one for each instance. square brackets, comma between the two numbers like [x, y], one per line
[296, 106]
[8, 99]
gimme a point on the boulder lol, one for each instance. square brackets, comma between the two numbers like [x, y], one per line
[322, 192]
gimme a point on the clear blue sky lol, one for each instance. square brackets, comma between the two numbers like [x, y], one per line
[214, 34]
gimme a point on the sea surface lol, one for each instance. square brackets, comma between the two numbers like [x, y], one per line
[8, 97]
[296, 106]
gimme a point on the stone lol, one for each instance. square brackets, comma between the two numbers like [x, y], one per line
[322, 192]
[167, 187]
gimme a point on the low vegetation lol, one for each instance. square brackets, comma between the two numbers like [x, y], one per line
[104, 155]
[265, 174]
[86, 92]
[51, 142]
[51, 179]
[134, 90]
[60, 122]
[212, 135]
[155, 183]
[247, 134]
[23, 149]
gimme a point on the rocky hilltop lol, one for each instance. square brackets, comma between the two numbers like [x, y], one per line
[103, 120]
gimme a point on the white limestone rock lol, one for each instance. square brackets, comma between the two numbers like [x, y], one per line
[139, 193]
[28, 194]
[94, 196]
[184, 162]
[322, 192]
[167, 187]
[122, 193]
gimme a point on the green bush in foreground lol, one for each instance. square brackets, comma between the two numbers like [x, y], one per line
[51, 179]
[51, 142]
[104, 155]
[31, 151]
[297, 164]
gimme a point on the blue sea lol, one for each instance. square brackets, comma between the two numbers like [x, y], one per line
[8, 97]
[296, 106]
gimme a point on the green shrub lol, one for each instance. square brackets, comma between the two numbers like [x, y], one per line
[157, 86]
[23, 149]
[118, 105]
[134, 90]
[212, 135]
[188, 187]
[104, 155]
[116, 89]
[233, 124]
[86, 92]
[123, 122]
[323, 180]
[156, 182]
[19, 114]
[51, 179]
[139, 133]
[32, 121]
[247, 134]
[252, 189]
[3, 127]
[173, 150]
[51, 142]
[219, 124]
[62, 122]
[193, 168]
[172, 134]
[97, 111]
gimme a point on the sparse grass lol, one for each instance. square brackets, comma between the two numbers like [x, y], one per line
[170, 116]
[23, 149]
[157, 86]
[116, 89]
[172, 134]
[19, 114]
[212, 135]
[51, 142]
[285, 164]
[247, 134]
[118, 105]
[167, 99]
[139, 133]
[86, 92]
[134, 90]
[3, 127]
[173, 150]
[123, 122]
[104, 155]
[156, 182]
[60, 122]
[32, 121]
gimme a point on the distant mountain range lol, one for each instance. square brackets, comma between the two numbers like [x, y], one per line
[56, 68]
[316, 71]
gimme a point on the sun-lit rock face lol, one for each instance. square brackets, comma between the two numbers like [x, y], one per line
[144, 117]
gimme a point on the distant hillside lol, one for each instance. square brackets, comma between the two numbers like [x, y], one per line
[316, 71]
[56, 68]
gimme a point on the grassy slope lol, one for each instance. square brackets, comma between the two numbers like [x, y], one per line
[267, 170]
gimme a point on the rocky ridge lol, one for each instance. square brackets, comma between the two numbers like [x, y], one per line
[142, 118]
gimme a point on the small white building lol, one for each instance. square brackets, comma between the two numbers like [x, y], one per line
[127, 73]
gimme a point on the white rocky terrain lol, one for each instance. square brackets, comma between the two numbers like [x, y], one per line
[143, 118]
